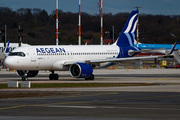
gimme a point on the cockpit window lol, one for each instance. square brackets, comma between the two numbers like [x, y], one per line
[17, 54]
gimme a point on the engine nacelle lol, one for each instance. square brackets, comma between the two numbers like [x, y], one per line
[81, 70]
[28, 73]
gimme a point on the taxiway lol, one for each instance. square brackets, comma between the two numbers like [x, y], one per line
[117, 103]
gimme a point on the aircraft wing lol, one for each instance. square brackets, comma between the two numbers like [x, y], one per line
[145, 51]
[119, 59]
[110, 60]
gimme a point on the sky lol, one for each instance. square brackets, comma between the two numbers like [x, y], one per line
[155, 7]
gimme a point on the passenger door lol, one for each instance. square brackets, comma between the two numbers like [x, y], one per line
[33, 55]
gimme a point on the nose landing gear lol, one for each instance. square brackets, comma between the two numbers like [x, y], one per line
[24, 77]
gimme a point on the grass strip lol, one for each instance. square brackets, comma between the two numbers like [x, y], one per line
[69, 85]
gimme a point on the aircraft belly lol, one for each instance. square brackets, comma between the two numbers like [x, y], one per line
[44, 64]
[104, 65]
[31, 65]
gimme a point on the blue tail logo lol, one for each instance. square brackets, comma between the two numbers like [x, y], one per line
[7, 47]
[127, 36]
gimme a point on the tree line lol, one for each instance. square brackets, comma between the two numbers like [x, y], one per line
[39, 26]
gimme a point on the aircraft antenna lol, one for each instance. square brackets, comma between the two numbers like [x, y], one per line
[137, 29]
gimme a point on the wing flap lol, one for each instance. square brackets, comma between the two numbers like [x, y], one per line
[122, 59]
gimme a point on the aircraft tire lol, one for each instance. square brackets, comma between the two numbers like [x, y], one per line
[24, 78]
[86, 78]
[56, 76]
[51, 76]
[91, 77]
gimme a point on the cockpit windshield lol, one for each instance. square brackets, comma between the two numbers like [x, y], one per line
[17, 54]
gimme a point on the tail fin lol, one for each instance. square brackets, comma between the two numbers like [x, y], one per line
[127, 36]
[4, 54]
[7, 48]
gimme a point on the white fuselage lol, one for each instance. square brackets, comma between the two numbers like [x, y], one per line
[54, 57]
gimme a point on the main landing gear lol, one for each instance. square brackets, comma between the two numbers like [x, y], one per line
[90, 77]
[53, 76]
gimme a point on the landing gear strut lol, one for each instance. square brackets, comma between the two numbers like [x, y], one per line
[24, 77]
[53, 76]
[90, 77]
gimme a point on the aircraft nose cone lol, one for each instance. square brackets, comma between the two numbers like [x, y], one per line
[8, 62]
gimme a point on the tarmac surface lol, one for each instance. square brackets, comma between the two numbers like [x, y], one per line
[160, 102]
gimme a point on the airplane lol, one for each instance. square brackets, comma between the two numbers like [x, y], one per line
[79, 60]
[10, 46]
[5, 52]
[2, 56]
[156, 48]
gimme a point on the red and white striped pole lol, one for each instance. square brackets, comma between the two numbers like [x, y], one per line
[57, 23]
[79, 22]
[101, 22]
[137, 29]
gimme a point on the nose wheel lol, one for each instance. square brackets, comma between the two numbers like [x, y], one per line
[24, 78]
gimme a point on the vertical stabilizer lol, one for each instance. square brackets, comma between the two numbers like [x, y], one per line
[7, 48]
[127, 36]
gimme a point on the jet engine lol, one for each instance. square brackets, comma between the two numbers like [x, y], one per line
[28, 73]
[81, 70]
